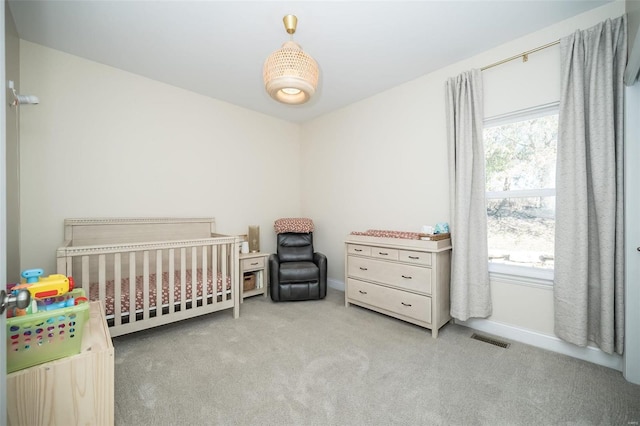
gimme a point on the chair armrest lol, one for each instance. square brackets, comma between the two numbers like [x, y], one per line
[321, 261]
[274, 274]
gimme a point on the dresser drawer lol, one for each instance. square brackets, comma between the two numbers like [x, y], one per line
[400, 275]
[253, 263]
[360, 250]
[417, 257]
[408, 304]
[384, 253]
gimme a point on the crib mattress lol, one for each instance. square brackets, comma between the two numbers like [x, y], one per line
[94, 290]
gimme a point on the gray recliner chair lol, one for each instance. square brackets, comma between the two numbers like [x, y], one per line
[296, 271]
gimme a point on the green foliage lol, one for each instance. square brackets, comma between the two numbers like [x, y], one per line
[521, 155]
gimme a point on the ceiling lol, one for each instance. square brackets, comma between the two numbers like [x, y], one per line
[217, 48]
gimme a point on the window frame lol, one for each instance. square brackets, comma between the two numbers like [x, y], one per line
[525, 275]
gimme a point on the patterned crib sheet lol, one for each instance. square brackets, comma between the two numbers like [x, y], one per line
[124, 286]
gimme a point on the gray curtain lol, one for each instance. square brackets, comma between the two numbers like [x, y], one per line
[470, 291]
[589, 270]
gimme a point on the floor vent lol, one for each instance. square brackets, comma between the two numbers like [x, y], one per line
[491, 341]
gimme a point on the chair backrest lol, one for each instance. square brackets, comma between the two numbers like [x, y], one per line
[295, 247]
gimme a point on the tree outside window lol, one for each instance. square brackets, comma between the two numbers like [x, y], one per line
[520, 184]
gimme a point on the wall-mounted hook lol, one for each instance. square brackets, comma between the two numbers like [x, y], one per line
[22, 99]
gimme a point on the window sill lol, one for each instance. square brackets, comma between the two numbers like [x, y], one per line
[521, 275]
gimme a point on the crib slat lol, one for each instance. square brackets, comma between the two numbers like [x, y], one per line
[69, 270]
[102, 285]
[214, 272]
[132, 287]
[117, 291]
[232, 268]
[205, 277]
[194, 277]
[225, 261]
[172, 281]
[85, 274]
[183, 279]
[233, 271]
[145, 284]
[159, 282]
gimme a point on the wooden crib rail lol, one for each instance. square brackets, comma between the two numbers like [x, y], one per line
[71, 250]
[99, 231]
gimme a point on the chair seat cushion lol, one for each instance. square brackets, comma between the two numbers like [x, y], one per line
[297, 272]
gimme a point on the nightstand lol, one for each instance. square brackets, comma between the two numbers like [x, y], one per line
[254, 271]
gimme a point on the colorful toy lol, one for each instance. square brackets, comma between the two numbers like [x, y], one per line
[51, 304]
[32, 275]
[441, 228]
[44, 287]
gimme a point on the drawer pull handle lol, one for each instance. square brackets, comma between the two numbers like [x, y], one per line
[357, 249]
[254, 263]
[383, 254]
[364, 269]
[406, 304]
[406, 277]
[414, 257]
[362, 292]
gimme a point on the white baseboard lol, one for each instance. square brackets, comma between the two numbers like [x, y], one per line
[544, 341]
[338, 285]
[529, 337]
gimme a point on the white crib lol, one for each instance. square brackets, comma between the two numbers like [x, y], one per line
[151, 271]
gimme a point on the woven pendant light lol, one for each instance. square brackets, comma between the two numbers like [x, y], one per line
[290, 75]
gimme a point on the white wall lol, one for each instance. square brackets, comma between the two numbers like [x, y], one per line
[382, 162]
[12, 69]
[3, 210]
[632, 235]
[104, 142]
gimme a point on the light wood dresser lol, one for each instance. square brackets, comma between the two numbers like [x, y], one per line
[406, 279]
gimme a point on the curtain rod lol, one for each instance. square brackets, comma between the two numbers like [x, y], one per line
[523, 55]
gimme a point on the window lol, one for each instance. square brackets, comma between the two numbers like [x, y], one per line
[520, 154]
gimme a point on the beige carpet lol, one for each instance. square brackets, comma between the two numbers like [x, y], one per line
[319, 363]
